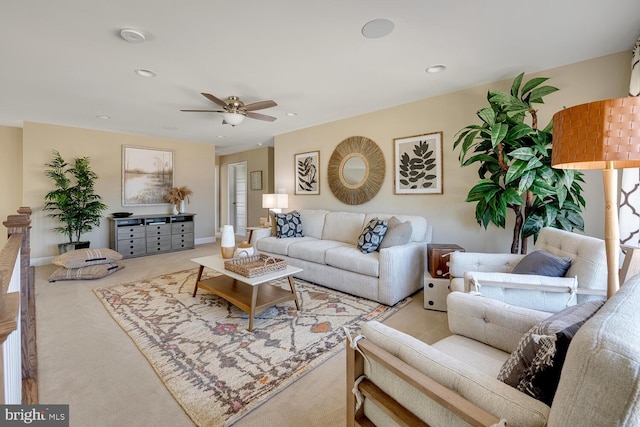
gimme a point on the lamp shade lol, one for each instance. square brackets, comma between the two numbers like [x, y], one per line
[597, 135]
[275, 201]
[233, 118]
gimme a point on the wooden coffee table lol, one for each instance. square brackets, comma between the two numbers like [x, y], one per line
[251, 295]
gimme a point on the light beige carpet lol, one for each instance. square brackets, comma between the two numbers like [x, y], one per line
[201, 350]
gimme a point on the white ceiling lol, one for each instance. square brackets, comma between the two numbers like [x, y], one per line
[63, 61]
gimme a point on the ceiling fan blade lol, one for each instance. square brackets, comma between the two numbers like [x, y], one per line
[203, 111]
[261, 117]
[260, 105]
[214, 99]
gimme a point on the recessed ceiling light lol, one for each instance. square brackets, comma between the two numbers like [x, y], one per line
[436, 69]
[220, 136]
[377, 28]
[103, 117]
[260, 144]
[132, 35]
[291, 114]
[143, 72]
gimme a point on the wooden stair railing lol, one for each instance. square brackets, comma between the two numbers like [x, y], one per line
[18, 231]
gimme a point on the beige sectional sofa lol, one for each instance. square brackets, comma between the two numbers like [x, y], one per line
[329, 256]
[599, 381]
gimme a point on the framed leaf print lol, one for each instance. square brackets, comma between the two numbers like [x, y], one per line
[418, 164]
[307, 167]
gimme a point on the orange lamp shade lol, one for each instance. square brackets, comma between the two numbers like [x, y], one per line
[597, 135]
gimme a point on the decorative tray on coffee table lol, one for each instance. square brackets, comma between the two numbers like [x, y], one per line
[255, 265]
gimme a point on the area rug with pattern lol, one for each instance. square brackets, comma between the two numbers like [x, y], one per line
[201, 349]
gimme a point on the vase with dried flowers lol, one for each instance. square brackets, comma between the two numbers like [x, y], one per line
[177, 196]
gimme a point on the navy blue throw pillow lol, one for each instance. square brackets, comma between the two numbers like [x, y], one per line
[372, 235]
[288, 225]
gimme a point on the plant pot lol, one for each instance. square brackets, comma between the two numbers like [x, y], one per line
[182, 209]
[68, 247]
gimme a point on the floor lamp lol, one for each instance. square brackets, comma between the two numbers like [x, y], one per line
[601, 135]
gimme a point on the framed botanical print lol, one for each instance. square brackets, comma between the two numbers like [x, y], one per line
[418, 164]
[147, 175]
[307, 170]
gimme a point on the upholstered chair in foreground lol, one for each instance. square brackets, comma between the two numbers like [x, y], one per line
[466, 378]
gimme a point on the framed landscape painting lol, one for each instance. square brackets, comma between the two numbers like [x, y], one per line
[418, 164]
[307, 168]
[147, 175]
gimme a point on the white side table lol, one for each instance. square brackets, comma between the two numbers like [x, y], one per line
[435, 293]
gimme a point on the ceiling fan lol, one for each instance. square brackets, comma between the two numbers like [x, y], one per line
[234, 110]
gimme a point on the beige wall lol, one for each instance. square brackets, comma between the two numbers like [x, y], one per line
[260, 159]
[10, 174]
[452, 218]
[193, 167]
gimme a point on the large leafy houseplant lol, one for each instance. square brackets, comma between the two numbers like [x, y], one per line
[515, 170]
[73, 202]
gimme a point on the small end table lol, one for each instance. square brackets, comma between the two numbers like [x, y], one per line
[436, 279]
[435, 292]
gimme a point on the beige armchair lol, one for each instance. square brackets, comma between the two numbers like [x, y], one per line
[395, 379]
[490, 273]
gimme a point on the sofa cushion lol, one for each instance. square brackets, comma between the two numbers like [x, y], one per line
[350, 258]
[420, 230]
[277, 246]
[85, 273]
[343, 226]
[289, 225]
[542, 263]
[534, 367]
[372, 235]
[313, 222]
[313, 251]
[398, 233]
[84, 257]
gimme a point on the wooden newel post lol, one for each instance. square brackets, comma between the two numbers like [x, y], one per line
[21, 224]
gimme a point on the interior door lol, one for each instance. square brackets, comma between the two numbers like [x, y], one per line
[238, 197]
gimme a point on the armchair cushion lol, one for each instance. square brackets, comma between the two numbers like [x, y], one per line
[487, 392]
[534, 367]
[543, 263]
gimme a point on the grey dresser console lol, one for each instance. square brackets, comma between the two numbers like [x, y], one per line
[140, 235]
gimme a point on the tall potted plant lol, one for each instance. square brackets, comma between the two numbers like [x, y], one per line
[73, 202]
[515, 170]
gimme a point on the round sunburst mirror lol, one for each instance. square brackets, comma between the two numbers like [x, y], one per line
[356, 170]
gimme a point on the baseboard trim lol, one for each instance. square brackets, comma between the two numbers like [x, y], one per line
[42, 261]
[203, 240]
[49, 259]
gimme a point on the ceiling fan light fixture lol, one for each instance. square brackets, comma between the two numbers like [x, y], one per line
[233, 118]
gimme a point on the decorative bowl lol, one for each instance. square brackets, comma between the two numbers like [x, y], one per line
[121, 214]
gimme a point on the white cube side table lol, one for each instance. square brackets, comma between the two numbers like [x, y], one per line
[435, 293]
